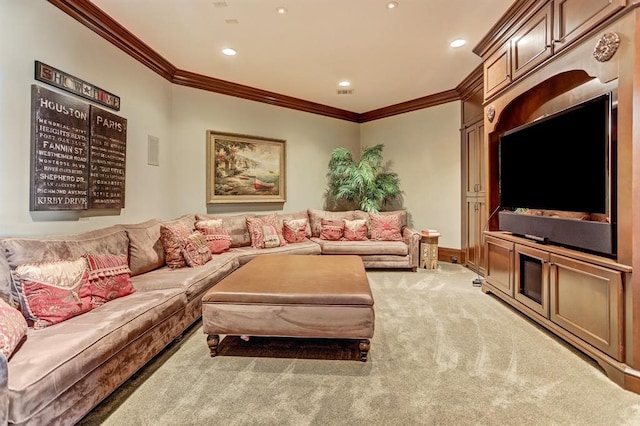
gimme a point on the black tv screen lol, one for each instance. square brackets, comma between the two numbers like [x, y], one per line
[559, 162]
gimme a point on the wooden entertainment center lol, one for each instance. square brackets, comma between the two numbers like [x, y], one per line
[544, 56]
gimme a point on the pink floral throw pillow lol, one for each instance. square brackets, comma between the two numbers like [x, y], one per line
[355, 230]
[218, 238]
[173, 238]
[331, 230]
[196, 251]
[109, 278]
[294, 230]
[13, 328]
[386, 227]
[52, 292]
[255, 226]
[270, 236]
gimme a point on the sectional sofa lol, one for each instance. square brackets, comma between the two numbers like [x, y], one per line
[58, 373]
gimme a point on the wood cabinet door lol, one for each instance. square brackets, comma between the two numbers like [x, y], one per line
[474, 218]
[532, 278]
[472, 236]
[480, 160]
[499, 264]
[471, 161]
[474, 249]
[474, 160]
[533, 43]
[575, 17]
[482, 226]
[586, 300]
[472, 109]
[497, 71]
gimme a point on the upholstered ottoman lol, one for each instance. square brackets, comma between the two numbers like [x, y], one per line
[292, 296]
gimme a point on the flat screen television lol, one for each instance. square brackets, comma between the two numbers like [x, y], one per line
[561, 162]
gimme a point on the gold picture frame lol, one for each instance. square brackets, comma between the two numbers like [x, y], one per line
[245, 169]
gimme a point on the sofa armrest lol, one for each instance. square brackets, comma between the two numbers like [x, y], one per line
[4, 391]
[412, 238]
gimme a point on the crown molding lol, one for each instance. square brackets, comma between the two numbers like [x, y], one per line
[471, 83]
[412, 105]
[199, 81]
[102, 24]
[502, 29]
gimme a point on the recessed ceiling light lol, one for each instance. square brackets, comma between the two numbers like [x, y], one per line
[281, 10]
[344, 83]
[229, 51]
[392, 5]
[458, 43]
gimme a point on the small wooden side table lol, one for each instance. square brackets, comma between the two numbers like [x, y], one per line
[429, 250]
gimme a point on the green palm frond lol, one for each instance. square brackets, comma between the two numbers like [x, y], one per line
[340, 158]
[388, 181]
[366, 183]
[372, 155]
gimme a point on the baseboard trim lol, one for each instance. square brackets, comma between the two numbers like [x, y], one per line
[448, 255]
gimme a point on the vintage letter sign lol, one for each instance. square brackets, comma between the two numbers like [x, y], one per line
[59, 139]
[107, 160]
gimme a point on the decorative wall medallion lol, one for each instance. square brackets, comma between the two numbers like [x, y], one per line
[491, 113]
[606, 47]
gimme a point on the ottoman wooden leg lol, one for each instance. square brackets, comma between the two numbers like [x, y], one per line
[364, 347]
[212, 341]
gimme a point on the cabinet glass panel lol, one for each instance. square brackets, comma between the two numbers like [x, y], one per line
[531, 278]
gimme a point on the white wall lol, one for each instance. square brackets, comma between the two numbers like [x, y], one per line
[423, 145]
[35, 30]
[310, 138]
[424, 149]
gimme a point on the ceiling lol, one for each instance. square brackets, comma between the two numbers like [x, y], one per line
[390, 56]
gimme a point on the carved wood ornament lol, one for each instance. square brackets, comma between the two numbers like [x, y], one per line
[491, 113]
[606, 47]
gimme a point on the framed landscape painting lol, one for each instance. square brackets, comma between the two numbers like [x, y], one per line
[245, 169]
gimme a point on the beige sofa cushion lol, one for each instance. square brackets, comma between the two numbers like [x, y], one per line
[110, 240]
[386, 261]
[369, 247]
[359, 214]
[293, 216]
[145, 247]
[316, 216]
[193, 281]
[188, 220]
[235, 225]
[245, 254]
[44, 368]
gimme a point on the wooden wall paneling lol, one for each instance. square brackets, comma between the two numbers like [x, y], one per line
[497, 71]
[532, 44]
[575, 17]
[570, 76]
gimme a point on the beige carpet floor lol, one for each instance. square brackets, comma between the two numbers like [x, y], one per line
[443, 353]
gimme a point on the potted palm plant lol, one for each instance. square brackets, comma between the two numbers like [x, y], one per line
[367, 184]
